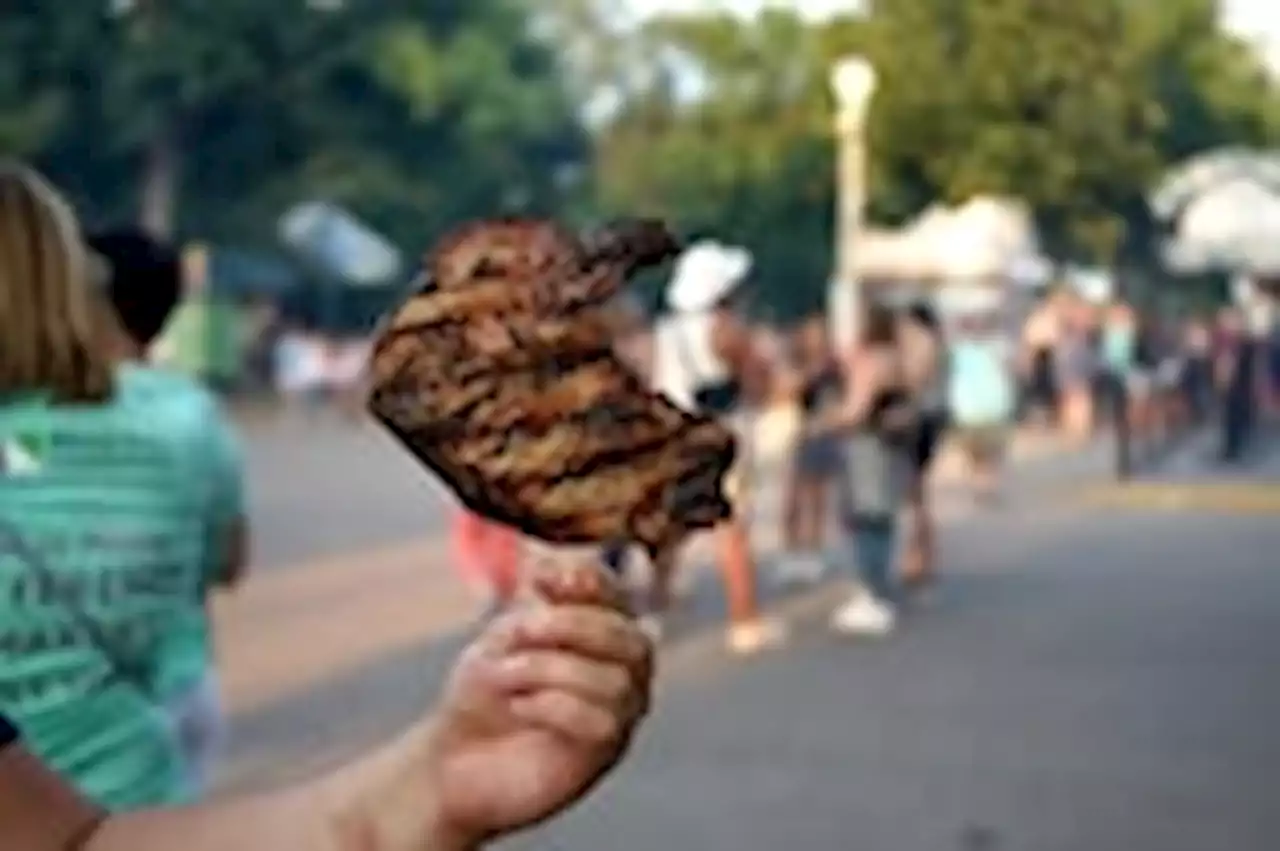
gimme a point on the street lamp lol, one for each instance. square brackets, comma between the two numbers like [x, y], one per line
[853, 81]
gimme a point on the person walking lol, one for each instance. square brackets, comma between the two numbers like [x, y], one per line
[1236, 368]
[927, 364]
[1197, 375]
[704, 361]
[815, 460]
[1075, 366]
[876, 424]
[982, 397]
[1128, 358]
[1041, 339]
[100, 524]
[144, 284]
[488, 555]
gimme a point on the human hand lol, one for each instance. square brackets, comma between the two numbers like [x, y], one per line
[539, 707]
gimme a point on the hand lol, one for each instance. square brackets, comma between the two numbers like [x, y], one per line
[540, 707]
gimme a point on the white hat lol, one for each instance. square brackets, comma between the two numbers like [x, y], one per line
[705, 274]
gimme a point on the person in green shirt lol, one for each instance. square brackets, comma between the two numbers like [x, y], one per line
[144, 284]
[98, 522]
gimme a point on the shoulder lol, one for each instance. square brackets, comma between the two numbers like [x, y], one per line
[145, 383]
[174, 401]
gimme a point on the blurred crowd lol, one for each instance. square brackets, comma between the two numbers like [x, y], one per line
[850, 438]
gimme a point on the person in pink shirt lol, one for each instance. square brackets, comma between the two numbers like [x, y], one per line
[488, 555]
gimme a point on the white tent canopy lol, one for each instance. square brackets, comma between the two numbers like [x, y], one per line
[984, 238]
[1235, 225]
[1208, 172]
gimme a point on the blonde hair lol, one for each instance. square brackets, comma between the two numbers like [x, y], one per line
[51, 335]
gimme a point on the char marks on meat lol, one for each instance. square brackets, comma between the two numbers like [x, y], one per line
[498, 373]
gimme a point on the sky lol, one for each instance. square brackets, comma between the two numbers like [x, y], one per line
[1256, 19]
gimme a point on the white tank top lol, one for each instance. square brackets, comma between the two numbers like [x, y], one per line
[684, 359]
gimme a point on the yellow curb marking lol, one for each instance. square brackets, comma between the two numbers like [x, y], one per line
[1219, 498]
[291, 628]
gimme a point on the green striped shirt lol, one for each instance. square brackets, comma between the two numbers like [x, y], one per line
[190, 419]
[103, 544]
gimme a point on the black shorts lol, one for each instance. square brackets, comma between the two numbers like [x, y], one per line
[928, 437]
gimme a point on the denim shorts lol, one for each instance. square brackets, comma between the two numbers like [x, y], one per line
[874, 544]
[201, 729]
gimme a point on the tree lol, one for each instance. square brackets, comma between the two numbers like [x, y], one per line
[731, 137]
[214, 117]
[1048, 102]
[1214, 88]
[1074, 108]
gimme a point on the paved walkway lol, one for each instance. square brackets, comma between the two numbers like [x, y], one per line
[322, 657]
[1088, 681]
[1194, 479]
[354, 557]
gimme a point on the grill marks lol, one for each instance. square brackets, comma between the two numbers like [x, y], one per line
[498, 373]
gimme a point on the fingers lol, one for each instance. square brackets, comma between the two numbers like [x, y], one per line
[567, 715]
[582, 583]
[594, 660]
[610, 685]
[589, 631]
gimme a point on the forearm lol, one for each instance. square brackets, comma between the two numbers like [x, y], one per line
[850, 415]
[385, 802]
[39, 811]
[259, 823]
[389, 801]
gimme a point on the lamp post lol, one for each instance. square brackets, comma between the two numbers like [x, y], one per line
[853, 81]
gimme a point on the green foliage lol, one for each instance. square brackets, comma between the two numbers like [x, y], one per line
[1075, 107]
[750, 160]
[417, 114]
[413, 114]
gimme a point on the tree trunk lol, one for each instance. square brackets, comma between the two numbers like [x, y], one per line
[160, 183]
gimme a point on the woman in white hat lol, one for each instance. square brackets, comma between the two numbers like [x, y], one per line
[704, 361]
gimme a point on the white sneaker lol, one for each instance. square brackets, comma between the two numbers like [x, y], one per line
[800, 569]
[755, 636]
[864, 615]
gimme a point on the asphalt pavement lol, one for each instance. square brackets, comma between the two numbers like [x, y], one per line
[352, 565]
[321, 483]
[1084, 681]
[1090, 676]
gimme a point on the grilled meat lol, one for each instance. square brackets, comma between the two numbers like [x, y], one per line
[498, 373]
